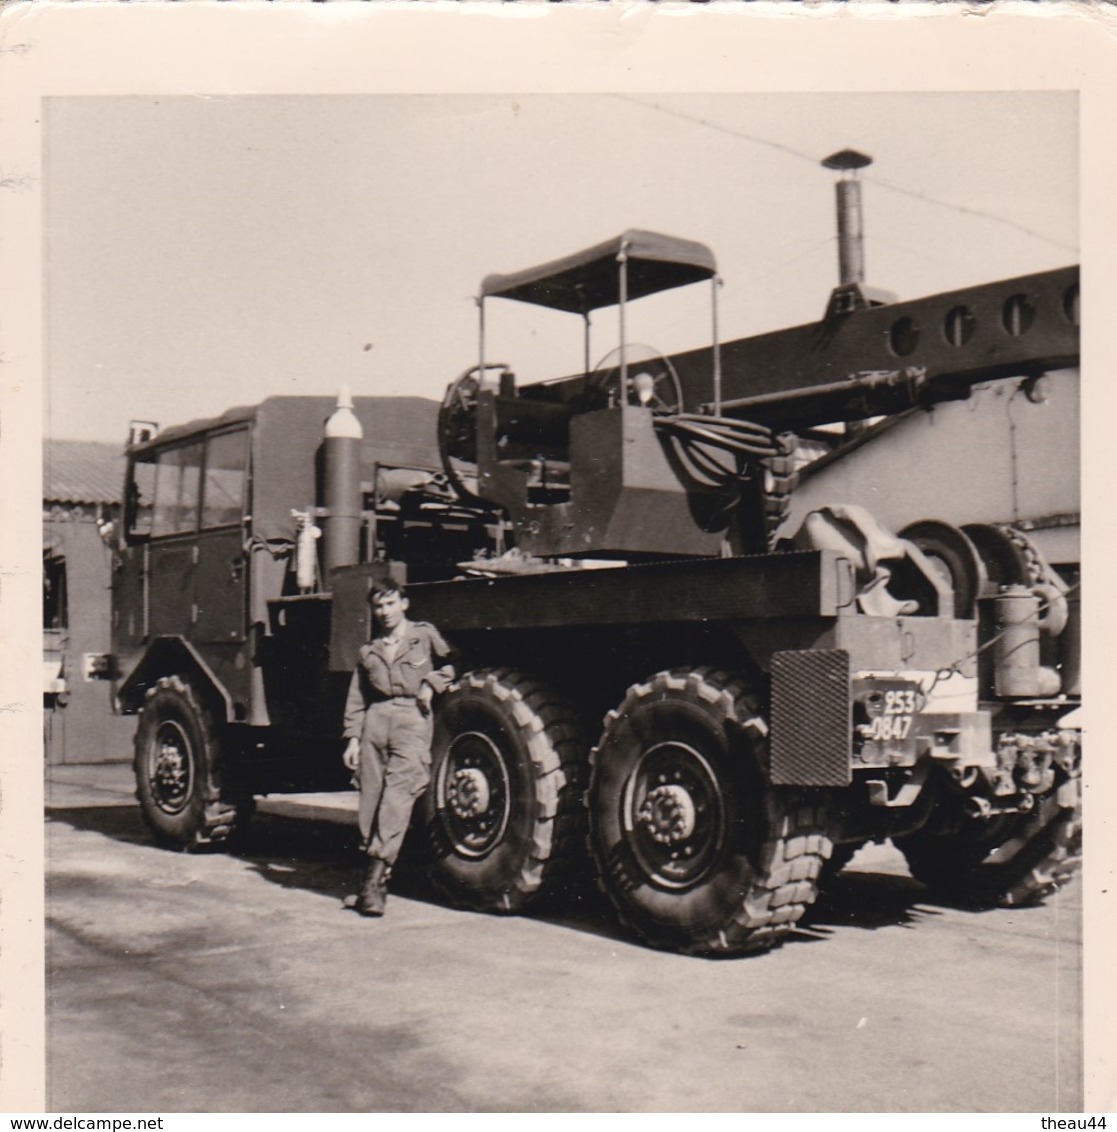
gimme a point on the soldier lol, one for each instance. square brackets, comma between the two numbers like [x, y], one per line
[388, 724]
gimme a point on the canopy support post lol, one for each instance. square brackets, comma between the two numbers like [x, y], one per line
[480, 300]
[715, 283]
[622, 260]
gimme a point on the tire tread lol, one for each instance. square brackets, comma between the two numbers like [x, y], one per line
[552, 737]
[220, 815]
[789, 861]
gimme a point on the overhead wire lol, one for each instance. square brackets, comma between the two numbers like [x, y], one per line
[966, 210]
[888, 186]
[815, 245]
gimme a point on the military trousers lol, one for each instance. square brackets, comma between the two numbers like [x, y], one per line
[393, 770]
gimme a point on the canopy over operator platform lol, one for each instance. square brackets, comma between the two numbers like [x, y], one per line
[589, 280]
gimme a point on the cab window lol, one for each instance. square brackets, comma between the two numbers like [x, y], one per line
[139, 496]
[226, 477]
[177, 483]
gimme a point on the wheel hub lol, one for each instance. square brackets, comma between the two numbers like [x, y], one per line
[668, 814]
[468, 793]
[171, 770]
[472, 792]
[673, 807]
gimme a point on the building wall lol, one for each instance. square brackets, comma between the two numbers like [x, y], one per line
[78, 721]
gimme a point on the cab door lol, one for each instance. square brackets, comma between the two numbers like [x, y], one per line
[172, 549]
[221, 581]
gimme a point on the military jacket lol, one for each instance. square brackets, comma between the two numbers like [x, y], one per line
[423, 657]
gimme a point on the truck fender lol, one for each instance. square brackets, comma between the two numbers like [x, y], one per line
[173, 656]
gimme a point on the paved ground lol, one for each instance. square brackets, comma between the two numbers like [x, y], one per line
[237, 983]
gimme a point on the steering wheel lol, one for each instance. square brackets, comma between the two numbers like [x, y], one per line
[457, 425]
[652, 380]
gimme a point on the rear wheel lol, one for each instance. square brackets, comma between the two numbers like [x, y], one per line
[176, 767]
[840, 856]
[696, 851]
[1009, 860]
[954, 555]
[504, 809]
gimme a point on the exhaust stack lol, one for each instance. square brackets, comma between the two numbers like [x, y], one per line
[851, 240]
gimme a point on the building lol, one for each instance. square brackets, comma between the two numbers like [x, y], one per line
[82, 482]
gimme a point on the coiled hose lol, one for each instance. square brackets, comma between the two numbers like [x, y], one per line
[703, 443]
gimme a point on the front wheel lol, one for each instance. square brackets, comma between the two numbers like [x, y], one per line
[176, 767]
[696, 851]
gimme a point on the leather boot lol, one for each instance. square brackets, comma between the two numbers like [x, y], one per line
[373, 894]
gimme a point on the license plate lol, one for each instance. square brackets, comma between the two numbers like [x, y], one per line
[890, 708]
[887, 728]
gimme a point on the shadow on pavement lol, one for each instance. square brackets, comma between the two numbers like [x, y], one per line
[867, 900]
[322, 856]
[120, 822]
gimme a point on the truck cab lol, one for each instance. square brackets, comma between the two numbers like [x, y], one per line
[182, 569]
[207, 549]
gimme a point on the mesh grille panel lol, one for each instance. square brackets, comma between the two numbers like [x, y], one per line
[811, 718]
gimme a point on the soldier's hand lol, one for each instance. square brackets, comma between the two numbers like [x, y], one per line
[352, 754]
[423, 698]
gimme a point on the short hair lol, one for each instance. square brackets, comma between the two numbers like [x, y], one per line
[384, 587]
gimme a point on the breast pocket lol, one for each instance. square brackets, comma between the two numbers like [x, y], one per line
[414, 665]
[376, 673]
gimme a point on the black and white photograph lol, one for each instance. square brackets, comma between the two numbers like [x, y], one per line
[563, 600]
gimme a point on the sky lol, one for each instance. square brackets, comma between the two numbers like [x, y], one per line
[204, 252]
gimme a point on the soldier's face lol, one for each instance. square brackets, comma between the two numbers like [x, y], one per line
[389, 610]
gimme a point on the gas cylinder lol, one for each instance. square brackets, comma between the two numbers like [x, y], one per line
[1017, 671]
[341, 489]
[1070, 646]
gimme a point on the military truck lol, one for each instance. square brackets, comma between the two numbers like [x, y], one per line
[668, 673]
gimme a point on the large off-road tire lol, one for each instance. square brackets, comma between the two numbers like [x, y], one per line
[696, 851]
[840, 855]
[779, 480]
[177, 769]
[1008, 860]
[504, 809]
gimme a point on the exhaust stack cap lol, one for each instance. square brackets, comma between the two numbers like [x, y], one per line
[847, 160]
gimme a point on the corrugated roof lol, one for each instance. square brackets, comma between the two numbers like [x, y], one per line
[82, 471]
